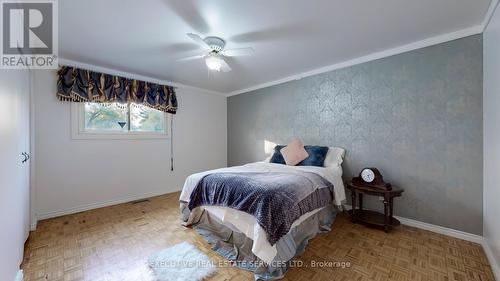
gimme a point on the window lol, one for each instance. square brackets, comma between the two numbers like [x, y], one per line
[117, 121]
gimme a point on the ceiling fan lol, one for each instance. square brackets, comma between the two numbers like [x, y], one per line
[214, 59]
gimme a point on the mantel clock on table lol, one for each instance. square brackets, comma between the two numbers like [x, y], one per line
[371, 182]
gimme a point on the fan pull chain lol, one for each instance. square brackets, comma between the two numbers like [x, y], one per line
[171, 142]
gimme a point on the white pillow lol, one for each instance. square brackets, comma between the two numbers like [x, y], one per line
[334, 157]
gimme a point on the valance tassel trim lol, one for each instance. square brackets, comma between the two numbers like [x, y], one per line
[79, 85]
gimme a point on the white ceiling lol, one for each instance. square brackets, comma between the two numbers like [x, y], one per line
[289, 36]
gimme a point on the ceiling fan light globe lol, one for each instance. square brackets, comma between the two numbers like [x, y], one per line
[213, 63]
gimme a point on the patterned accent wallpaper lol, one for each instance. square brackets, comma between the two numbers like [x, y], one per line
[416, 116]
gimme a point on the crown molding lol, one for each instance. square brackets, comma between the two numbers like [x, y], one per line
[371, 57]
[131, 75]
[489, 14]
[478, 29]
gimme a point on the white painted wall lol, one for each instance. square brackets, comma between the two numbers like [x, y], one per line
[14, 175]
[73, 175]
[491, 146]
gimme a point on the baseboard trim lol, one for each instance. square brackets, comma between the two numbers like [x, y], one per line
[19, 275]
[442, 230]
[438, 229]
[87, 207]
[34, 224]
[495, 267]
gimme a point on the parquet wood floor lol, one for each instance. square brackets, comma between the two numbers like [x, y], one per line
[113, 243]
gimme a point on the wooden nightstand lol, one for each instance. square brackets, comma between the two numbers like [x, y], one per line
[386, 220]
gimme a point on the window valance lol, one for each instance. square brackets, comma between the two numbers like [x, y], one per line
[79, 85]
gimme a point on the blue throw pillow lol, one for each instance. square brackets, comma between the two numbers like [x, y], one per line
[277, 158]
[317, 155]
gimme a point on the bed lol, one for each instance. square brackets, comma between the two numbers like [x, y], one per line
[261, 215]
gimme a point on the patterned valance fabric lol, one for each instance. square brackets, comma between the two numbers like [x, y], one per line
[79, 85]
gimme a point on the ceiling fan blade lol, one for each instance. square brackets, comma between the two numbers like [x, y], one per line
[196, 38]
[224, 66]
[190, 12]
[238, 52]
[192, 58]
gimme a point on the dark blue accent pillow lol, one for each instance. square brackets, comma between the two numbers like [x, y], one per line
[317, 155]
[277, 158]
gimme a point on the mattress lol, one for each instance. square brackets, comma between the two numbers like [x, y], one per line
[332, 174]
[246, 223]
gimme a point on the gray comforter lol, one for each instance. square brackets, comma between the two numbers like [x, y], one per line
[275, 199]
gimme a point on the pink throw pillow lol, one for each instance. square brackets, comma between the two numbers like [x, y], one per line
[294, 153]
